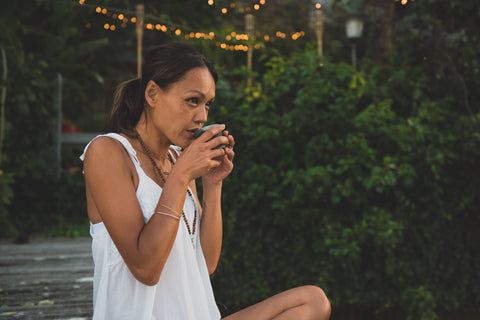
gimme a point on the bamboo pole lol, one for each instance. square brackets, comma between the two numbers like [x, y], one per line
[139, 29]
[319, 19]
[249, 22]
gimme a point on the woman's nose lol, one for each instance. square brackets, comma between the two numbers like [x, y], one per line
[202, 115]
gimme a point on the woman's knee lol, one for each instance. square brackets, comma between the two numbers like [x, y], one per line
[318, 301]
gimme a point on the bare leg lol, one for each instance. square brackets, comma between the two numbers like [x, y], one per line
[302, 303]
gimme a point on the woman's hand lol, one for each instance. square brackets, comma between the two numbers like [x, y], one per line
[217, 174]
[201, 159]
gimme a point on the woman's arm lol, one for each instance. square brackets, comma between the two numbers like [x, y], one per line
[211, 225]
[109, 180]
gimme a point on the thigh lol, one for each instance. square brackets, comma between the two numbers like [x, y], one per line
[277, 304]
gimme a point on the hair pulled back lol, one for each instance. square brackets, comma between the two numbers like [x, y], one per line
[164, 64]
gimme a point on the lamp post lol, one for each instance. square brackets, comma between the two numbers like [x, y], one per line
[354, 29]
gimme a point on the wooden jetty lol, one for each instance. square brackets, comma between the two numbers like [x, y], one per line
[46, 279]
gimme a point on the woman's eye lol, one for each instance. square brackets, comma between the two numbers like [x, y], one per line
[193, 100]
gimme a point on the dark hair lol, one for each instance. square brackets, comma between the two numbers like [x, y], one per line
[164, 64]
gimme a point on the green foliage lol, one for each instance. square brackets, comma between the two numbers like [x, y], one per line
[50, 206]
[359, 181]
[341, 182]
[6, 194]
[40, 43]
[421, 303]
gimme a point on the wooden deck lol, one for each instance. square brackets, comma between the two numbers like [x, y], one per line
[46, 279]
[52, 279]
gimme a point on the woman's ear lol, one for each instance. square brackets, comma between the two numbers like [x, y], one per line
[151, 92]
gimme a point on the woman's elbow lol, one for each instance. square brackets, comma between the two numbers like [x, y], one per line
[150, 281]
[211, 268]
[147, 277]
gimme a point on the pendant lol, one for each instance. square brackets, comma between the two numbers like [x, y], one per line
[192, 238]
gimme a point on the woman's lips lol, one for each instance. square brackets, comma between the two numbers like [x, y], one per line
[191, 133]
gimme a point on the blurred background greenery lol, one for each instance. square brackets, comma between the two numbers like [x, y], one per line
[360, 179]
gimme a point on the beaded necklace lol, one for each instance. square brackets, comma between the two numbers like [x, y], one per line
[159, 173]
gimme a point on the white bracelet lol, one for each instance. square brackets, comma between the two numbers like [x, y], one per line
[168, 215]
[167, 207]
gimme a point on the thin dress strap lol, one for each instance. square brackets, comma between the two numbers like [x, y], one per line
[124, 141]
[174, 153]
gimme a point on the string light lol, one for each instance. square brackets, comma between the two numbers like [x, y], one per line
[280, 35]
[241, 9]
[297, 35]
[237, 47]
[404, 2]
[237, 38]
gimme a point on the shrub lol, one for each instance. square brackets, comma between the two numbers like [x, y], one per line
[339, 185]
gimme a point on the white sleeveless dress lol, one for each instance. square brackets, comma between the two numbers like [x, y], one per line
[183, 292]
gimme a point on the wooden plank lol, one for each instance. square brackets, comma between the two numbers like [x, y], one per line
[46, 279]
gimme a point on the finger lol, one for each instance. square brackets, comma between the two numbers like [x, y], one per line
[216, 153]
[231, 141]
[215, 142]
[214, 164]
[210, 133]
[229, 153]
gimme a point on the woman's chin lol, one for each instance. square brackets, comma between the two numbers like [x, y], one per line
[182, 143]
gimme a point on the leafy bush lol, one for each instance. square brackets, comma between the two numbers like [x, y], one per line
[344, 183]
[362, 182]
[40, 44]
[6, 194]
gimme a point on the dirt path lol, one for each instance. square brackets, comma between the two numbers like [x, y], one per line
[46, 279]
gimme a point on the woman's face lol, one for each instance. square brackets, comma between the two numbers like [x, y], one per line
[183, 108]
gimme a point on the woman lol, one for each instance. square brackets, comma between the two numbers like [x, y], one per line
[153, 246]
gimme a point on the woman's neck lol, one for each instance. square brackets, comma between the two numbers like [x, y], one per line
[157, 144]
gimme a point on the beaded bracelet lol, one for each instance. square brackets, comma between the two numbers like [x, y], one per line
[168, 215]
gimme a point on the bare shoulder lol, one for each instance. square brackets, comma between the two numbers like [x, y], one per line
[105, 152]
[103, 144]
